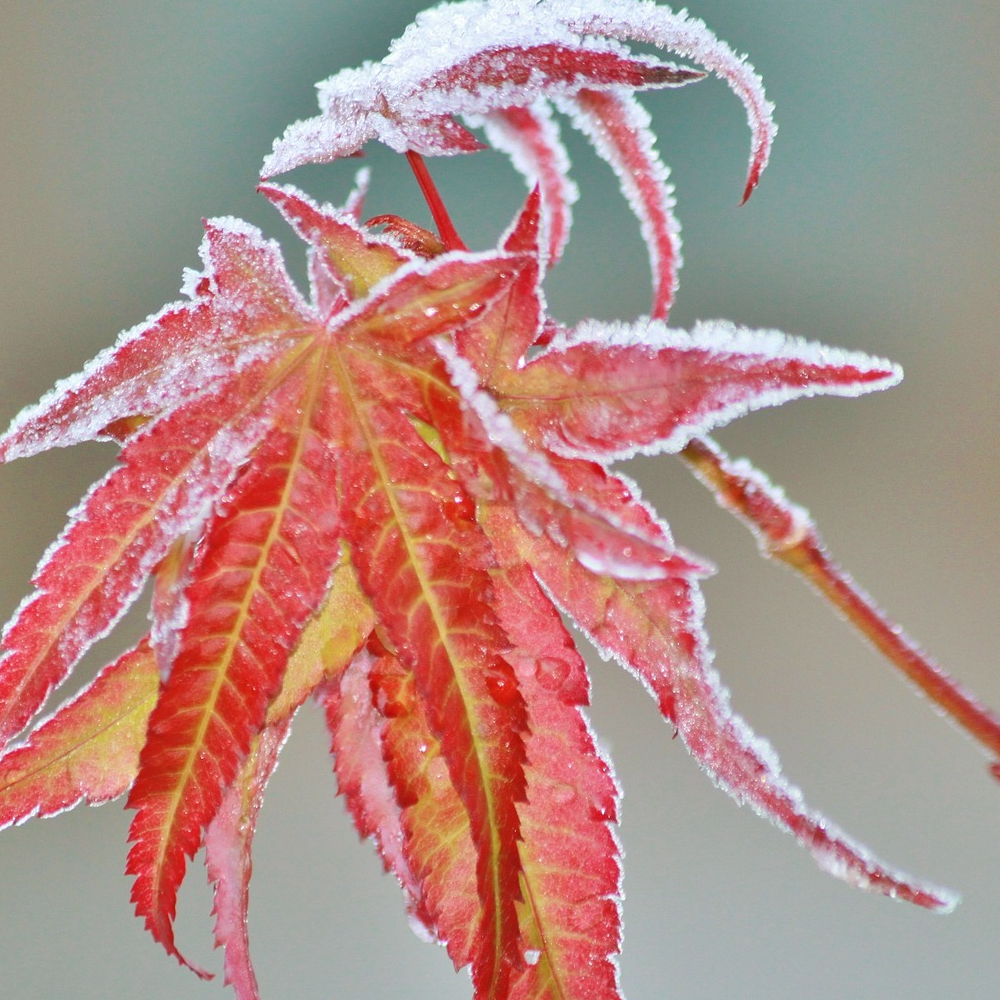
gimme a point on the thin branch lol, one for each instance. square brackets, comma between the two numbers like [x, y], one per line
[785, 532]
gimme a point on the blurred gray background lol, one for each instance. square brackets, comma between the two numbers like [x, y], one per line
[875, 227]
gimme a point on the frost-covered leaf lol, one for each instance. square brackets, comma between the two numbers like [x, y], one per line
[243, 307]
[571, 879]
[167, 478]
[499, 63]
[356, 726]
[605, 392]
[408, 801]
[384, 496]
[653, 628]
[351, 257]
[470, 59]
[322, 655]
[618, 127]
[530, 136]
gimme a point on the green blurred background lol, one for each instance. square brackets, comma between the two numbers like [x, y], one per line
[875, 227]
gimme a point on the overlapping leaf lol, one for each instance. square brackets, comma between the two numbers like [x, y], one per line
[233, 428]
[571, 878]
[167, 477]
[265, 565]
[426, 573]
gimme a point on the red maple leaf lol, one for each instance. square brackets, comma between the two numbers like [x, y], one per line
[384, 496]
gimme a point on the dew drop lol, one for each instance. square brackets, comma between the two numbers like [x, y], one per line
[502, 686]
[551, 672]
[532, 955]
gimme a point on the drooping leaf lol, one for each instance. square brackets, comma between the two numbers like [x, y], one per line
[618, 128]
[530, 137]
[228, 842]
[654, 629]
[265, 565]
[425, 571]
[434, 857]
[327, 644]
[355, 724]
[571, 879]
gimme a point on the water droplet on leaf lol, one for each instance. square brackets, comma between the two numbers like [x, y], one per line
[501, 685]
[551, 672]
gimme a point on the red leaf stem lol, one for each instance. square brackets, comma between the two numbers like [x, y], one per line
[446, 229]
